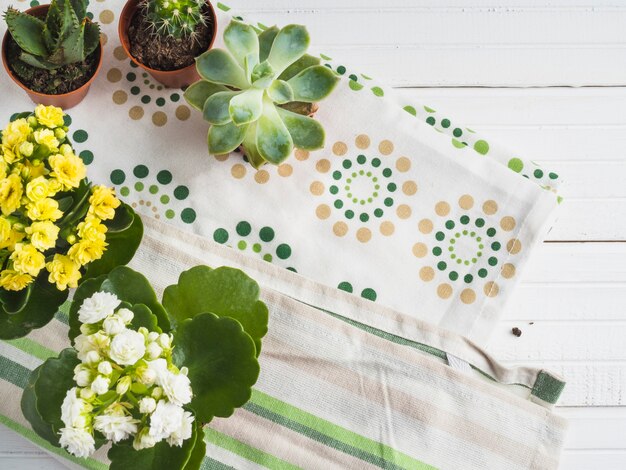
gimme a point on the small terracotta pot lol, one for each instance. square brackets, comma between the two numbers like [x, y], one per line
[65, 100]
[170, 78]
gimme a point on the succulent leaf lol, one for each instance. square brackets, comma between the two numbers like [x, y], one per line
[266, 39]
[246, 107]
[225, 138]
[178, 18]
[27, 31]
[73, 46]
[92, 37]
[280, 92]
[262, 75]
[250, 148]
[197, 93]
[241, 40]
[215, 109]
[313, 84]
[299, 65]
[289, 45]
[306, 132]
[217, 66]
[273, 139]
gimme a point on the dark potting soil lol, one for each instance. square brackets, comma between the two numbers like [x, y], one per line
[51, 82]
[166, 52]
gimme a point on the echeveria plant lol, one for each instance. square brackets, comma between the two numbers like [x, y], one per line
[147, 376]
[245, 92]
[177, 18]
[65, 36]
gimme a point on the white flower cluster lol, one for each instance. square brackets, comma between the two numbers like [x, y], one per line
[126, 383]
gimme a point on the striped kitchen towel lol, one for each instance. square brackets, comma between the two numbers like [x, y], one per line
[345, 383]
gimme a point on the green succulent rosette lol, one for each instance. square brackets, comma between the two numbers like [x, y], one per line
[204, 337]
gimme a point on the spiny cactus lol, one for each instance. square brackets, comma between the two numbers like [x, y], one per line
[177, 18]
[244, 96]
[65, 36]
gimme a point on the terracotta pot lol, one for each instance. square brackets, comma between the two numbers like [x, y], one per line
[65, 100]
[170, 78]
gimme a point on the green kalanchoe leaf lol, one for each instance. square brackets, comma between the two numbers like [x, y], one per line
[222, 364]
[160, 457]
[14, 301]
[225, 138]
[56, 377]
[280, 92]
[30, 412]
[224, 291]
[246, 107]
[197, 93]
[43, 302]
[216, 107]
[313, 84]
[306, 132]
[199, 450]
[266, 39]
[272, 138]
[121, 247]
[298, 66]
[218, 66]
[242, 41]
[289, 45]
[143, 316]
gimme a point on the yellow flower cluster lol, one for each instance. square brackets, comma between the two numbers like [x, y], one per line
[38, 168]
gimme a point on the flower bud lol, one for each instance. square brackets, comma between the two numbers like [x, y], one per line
[113, 325]
[87, 394]
[153, 336]
[100, 385]
[66, 150]
[144, 331]
[157, 392]
[154, 350]
[92, 357]
[184, 370]
[165, 341]
[26, 148]
[105, 368]
[59, 133]
[87, 329]
[146, 376]
[147, 405]
[32, 121]
[143, 439]
[123, 385]
[126, 315]
[71, 239]
[82, 375]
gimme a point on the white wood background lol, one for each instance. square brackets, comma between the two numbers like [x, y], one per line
[508, 68]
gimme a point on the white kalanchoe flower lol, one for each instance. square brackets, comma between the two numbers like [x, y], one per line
[165, 341]
[143, 440]
[126, 315]
[154, 350]
[177, 388]
[74, 410]
[113, 325]
[87, 394]
[92, 357]
[183, 432]
[147, 405]
[145, 375]
[127, 347]
[105, 368]
[77, 441]
[95, 342]
[115, 424]
[165, 420]
[82, 375]
[97, 307]
[100, 385]
[153, 336]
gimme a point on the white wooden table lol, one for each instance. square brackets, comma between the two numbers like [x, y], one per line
[506, 68]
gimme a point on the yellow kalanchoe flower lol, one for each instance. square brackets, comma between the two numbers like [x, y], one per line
[4, 168]
[43, 235]
[85, 251]
[91, 228]
[13, 238]
[38, 189]
[12, 280]
[10, 193]
[63, 272]
[49, 116]
[46, 137]
[44, 209]
[27, 260]
[15, 133]
[68, 169]
[103, 202]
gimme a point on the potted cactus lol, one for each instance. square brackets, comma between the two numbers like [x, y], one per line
[260, 93]
[53, 51]
[165, 36]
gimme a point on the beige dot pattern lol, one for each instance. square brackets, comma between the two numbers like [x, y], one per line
[301, 155]
[238, 171]
[322, 165]
[363, 235]
[508, 270]
[409, 188]
[491, 289]
[182, 112]
[466, 202]
[119, 53]
[340, 148]
[362, 141]
[261, 177]
[322, 211]
[317, 188]
[135, 113]
[507, 223]
[468, 296]
[403, 164]
[387, 228]
[285, 170]
[385, 147]
[427, 274]
[490, 207]
[106, 17]
[159, 119]
[403, 211]
[340, 229]
[444, 290]
[114, 75]
[514, 246]
[442, 208]
[120, 97]
[222, 157]
[425, 226]
[420, 250]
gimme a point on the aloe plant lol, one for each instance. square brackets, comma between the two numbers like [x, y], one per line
[65, 36]
[244, 92]
[177, 18]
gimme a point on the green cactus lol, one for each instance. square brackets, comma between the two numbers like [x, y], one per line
[177, 18]
[244, 96]
[65, 36]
